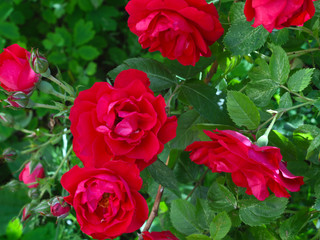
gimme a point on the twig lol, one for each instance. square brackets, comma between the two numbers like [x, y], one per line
[198, 183]
[211, 72]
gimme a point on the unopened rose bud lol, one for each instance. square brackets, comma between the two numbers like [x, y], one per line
[33, 193]
[18, 100]
[46, 87]
[262, 141]
[9, 154]
[43, 208]
[59, 208]
[39, 64]
[25, 213]
[30, 178]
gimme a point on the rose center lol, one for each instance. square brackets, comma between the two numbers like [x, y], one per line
[104, 202]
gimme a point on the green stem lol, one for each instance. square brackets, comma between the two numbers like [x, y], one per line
[198, 183]
[271, 125]
[295, 107]
[60, 84]
[62, 162]
[40, 105]
[296, 94]
[302, 52]
[62, 96]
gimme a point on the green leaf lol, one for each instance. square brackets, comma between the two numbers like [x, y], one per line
[220, 198]
[261, 88]
[307, 128]
[220, 226]
[314, 145]
[261, 233]
[236, 12]
[279, 65]
[205, 100]
[164, 176]
[186, 132]
[5, 132]
[14, 229]
[242, 38]
[160, 77]
[242, 110]
[198, 237]
[280, 37]
[292, 226]
[9, 30]
[88, 52]
[183, 217]
[83, 32]
[5, 10]
[300, 79]
[285, 101]
[10, 205]
[256, 213]
[45, 232]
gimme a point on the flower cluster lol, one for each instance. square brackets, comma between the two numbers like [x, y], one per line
[252, 167]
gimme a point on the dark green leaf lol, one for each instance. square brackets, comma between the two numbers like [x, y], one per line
[261, 233]
[242, 38]
[242, 110]
[314, 145]
[9, 30]
[220, 198]
[88, 52]
[83, 32]
[300, 79]
[205, 100]
[220, 226]
[198, 237]
[160, 77]
[280, 37]
[256, 213]
[236, 12]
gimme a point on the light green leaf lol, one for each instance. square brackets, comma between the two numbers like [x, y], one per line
[314, 145]
[183, 217]
[279, 64]
[242, 38]
[257, 213]
[88, 52]
[285, 101]
[220, 226]
[14, 229]
[83, 32]
[164, 176]
[205, 101]
[242, 110]
[300, 79]
[307, 128]
[220, 198]
[160, 77]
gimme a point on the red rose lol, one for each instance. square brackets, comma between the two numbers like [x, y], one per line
[278, 13]
[15, 71]
[179, 29]
[252, 167]
[106, 200]
[167, 235]
[59, 208]
[125, 121]
[31, 177]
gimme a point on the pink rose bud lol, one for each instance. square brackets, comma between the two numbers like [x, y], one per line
[9, 154]
[59, 208]
[25, 213]
[38, 63]
[15, 72]
[30, 178]
[18, 100]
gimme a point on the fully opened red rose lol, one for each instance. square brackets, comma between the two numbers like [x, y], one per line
[125, 121]
[252, 167]
[179, 29]
[166, 235]
[106, 200]
[15, 71]
[279, 13]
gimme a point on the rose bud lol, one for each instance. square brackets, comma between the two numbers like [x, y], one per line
[15, 71]
[59, 208]
[19, 100]
[43, 208]
[38, 63]
[30, 178]
[25, 213]
[9, 154]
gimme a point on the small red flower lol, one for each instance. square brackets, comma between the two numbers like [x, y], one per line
[252, 167]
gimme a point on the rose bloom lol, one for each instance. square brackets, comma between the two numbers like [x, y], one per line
[15, 71]
[31, 177]
[179, 29]
[279, 13]
[106, 200]
[166, 235]
[124, 121]
[252, 167]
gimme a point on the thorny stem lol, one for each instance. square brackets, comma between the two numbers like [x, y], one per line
[302, 52]
[40, 105]
[172, 95]
[62, 162]
[198, 183]
[60, 84]
[155, 208]
[211, 72]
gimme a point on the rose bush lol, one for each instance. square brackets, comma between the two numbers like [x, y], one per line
[252, 167]
[166, 235]
[106, 200]
[31, 177]
[278, 14]
[15, 71]
[125, 121]
[181, 29]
